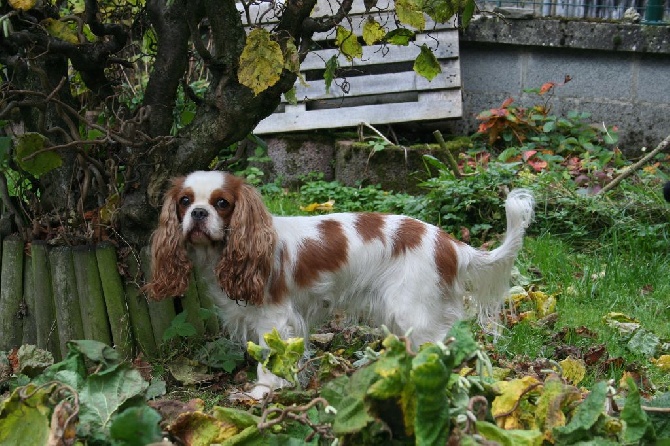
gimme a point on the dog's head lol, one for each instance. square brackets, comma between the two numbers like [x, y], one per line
[213, 209]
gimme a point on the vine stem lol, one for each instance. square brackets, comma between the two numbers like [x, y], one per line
[626, 173]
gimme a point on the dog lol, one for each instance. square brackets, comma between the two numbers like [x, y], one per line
[290, 273]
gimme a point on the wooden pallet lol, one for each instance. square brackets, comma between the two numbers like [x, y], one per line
[379, 88]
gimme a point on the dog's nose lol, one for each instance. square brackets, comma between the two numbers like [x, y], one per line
[199, 214]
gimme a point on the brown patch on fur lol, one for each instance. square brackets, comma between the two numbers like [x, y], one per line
[170, 266]
[278, 285]
[408, 236]
[370, 227]
[327, 254]
[446, 258]
[248, 254]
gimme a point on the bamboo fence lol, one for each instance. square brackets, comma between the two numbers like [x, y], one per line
[50, 295]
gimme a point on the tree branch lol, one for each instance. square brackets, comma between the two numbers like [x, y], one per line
[631, 169]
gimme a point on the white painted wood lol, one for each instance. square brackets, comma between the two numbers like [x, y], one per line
[448, 105]
[417, 98]
[383, 84]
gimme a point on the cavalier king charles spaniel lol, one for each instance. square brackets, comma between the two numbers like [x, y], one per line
[290, 273]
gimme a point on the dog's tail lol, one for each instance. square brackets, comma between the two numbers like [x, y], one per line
[488, 273]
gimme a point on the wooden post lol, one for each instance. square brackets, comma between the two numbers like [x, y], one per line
[212, 325]
[140, 320]
[28, 312]
[162, 311]
[11, 293]
[91, 296]
[45, 310]
[66, 298]
[115, 299]
[191, 303]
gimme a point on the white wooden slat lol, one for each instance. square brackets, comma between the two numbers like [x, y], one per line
[384, 84]
[449, 106]
[447, 48]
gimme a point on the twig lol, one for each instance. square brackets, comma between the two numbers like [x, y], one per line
[450, 158]
[297, 413]
[629, 171]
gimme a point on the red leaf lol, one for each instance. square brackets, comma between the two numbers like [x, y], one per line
[546, 87]
[538, 165]
[528, 154]
[507, 102]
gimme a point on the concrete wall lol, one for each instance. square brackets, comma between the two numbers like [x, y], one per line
[620, 72]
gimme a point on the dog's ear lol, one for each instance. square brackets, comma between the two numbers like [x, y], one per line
[248, 255]
[170, 265]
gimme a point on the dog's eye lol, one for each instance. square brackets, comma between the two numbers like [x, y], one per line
[184, 201]
[222, 204]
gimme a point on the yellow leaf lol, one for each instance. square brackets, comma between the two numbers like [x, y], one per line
[409, 13]
[373, 32]
[663, 362]
[348, 43]
[507, 408]
[545, 304]
[60, 30]
[327, 206]
[556, 397]
[22, 5]
[574, 370]
[261, 61]
[625, 324]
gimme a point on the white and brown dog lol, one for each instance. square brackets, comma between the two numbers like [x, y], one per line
[292, 272]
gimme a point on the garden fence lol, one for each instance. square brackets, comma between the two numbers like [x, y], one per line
[52, 294]
[651, 11]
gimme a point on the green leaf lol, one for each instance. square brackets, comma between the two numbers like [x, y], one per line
[409, 13]
[439, 10]
[331, 68]
[221, 354]
[509, 437]
[426, 64]
[464, 345]
[25, 421]
[261, 61]
[283, 356]
[638, 427]
[60, 30]
[291, 57]
[586, 416]
[399, 36]
[372, 31]
[468, 12]
[28, 145]
[644, 342]
[5, 145]
[348, 43]
[430, 376]
[136, 426]
[291, 96]
[157, 387]
[33, 360]
[549, 126]
[103, 395]
[240, 418]
[347, 395]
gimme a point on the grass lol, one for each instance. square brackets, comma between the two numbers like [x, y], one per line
[611, 274]
[615, 271]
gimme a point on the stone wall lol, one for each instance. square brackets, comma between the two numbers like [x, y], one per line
[620, 72]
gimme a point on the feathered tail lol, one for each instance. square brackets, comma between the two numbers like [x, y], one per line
[488, 272]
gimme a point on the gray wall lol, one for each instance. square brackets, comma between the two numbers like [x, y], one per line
[620, 72]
